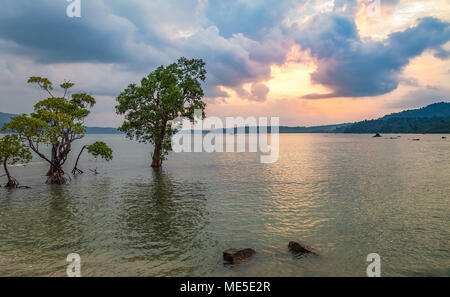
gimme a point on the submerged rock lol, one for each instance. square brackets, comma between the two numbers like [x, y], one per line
[298, 249]
[237, 255]
[377, 135]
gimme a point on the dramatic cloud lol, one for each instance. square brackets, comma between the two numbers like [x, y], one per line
[245, 45]
[259, 92]
[141, 35]
[354, 67]
[43, 31]
[252, 18]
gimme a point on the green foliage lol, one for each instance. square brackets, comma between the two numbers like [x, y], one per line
[100, 149]
[43, 82]
[13, 150]
[165, 94]
[56, 121]
[28, 128]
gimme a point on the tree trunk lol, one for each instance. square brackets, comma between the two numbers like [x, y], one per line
[55, 161]
[55, 173]
[12, 182]
[158, 151]
[156, 160]
[56, 177]
[75, 169]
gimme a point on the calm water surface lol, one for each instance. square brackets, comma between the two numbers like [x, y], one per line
[345, 195]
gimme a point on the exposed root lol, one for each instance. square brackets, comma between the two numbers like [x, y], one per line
[76, 171]
[56, 178]
[12, 183]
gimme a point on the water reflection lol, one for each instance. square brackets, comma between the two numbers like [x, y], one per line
[163, 220]
[61, 226]
[345, 195]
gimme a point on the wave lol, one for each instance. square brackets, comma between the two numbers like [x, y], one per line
[27, 164]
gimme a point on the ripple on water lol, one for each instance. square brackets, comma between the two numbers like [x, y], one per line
[345, 195]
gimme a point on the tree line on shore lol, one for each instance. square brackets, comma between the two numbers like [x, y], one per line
[57, 122]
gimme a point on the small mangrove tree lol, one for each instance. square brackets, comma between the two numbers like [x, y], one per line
[13, 151]
[56, 122]
[98, 149]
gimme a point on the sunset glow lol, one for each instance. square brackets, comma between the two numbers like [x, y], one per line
[309, 62]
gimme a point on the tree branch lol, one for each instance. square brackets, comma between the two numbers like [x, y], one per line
[46, 89]
[31, 145]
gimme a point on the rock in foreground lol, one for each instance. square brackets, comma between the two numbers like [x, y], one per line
[237, 255]
[298, 249]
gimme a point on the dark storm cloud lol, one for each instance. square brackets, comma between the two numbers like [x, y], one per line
[354, 67]
[44, 31]
[137, 35]
[253, 18]
[239, 40]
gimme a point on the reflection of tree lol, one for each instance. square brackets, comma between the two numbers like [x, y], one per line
[72, 222]
[164, 217]
[63, 224]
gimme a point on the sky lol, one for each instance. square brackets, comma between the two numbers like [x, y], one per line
[307, 62]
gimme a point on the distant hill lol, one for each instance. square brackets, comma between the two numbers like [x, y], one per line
[434, 118]
[313, 129]
[287, 130]
[400, 125]
[5, 117]
[102, 130]
[439, 110]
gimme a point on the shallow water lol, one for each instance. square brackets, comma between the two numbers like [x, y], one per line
[345, 195]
